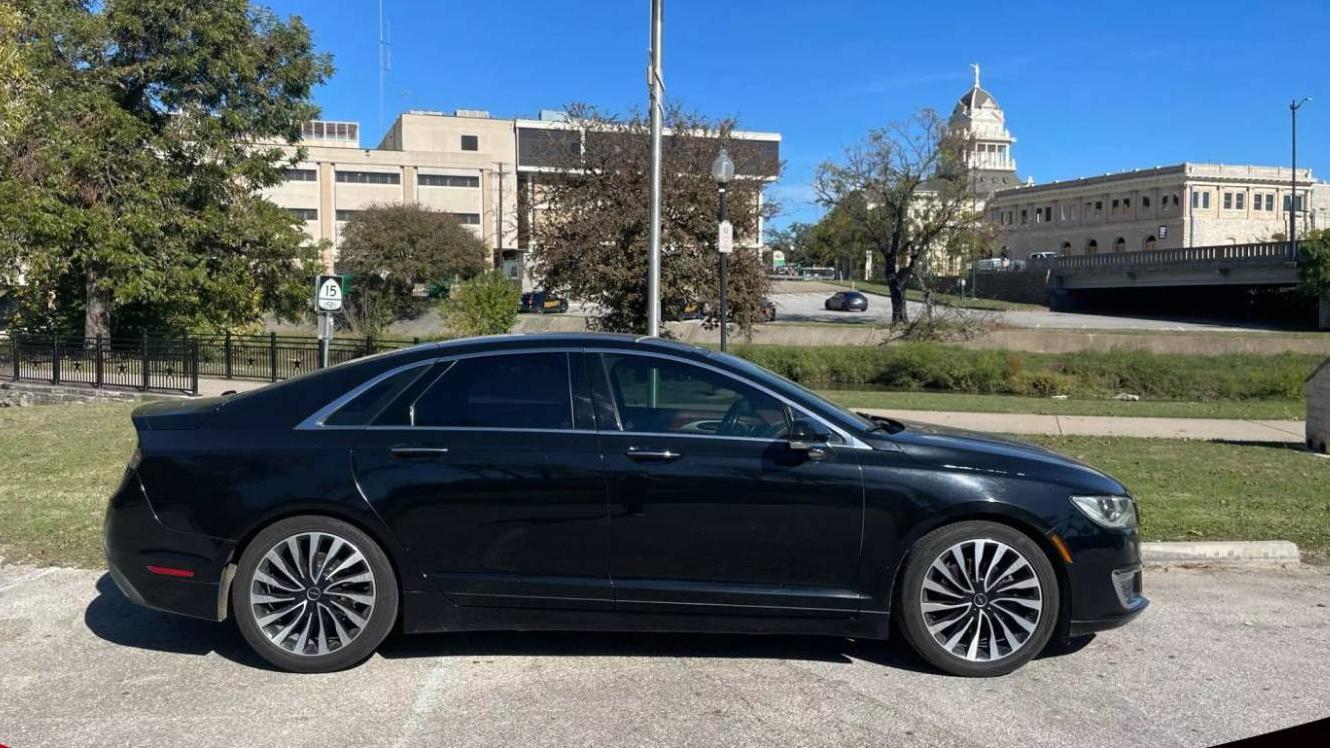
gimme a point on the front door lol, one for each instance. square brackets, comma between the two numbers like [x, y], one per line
[711, 510]
[491, 475]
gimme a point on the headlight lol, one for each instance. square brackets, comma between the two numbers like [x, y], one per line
[1113, 512]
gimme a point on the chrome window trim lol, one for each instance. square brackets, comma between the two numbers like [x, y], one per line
[850, 440]
[315, 421]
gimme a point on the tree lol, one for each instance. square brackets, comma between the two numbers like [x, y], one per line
[132, 158]
[395, 253]
[1314, 263]
[592, 217]
[905, 191]
[484, 305]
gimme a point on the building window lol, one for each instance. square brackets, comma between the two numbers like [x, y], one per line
[470, 143]
[1228, 201]
[1025, 216]
[1126, 202]
[1048, 213]
[1270, 201]
[346, 215]
[469, 219]
[369, 177]
[1119, 245]
[1239, 198]
[1116, 203]
[1098, 206]
[1175, 199]
[300, 175]
[1149, 243]
[1205, 199]
[1092, 247]
[1297, 204]
[1145, 201]
[304, 214]
[446, 180]
[1195, 200]
[1066, 249]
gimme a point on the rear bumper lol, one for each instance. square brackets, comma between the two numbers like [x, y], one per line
[135, 540]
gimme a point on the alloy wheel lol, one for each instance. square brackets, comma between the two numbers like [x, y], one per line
[312, 593]
[981, 600]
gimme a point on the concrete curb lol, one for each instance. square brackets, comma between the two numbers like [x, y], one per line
[1222, 553]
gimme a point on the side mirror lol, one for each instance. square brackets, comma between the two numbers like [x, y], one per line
[807, 437]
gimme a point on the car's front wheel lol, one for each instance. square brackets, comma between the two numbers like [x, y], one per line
[978, 599]
[314, 594]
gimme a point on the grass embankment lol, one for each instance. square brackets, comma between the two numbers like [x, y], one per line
[1191, 490]
[1263, 410]
[60, 463]
[945, 299]
[1083, 374]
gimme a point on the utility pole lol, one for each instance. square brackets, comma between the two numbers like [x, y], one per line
[1293, 106]
[656, 89]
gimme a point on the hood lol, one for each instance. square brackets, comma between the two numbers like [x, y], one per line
[987, 453]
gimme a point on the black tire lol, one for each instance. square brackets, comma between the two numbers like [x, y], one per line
[363, 639]
[913, 624]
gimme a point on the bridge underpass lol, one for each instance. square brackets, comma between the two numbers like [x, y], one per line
[1249, 282]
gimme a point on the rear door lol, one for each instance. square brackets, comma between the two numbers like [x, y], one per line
[490, 473]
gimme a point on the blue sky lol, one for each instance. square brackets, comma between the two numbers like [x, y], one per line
[1088, 88]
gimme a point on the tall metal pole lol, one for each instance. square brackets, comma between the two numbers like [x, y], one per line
[724, 295]
[656, 86]
[1293, 106]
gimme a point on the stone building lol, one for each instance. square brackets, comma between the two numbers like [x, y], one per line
[484, 170]
[1166, 207]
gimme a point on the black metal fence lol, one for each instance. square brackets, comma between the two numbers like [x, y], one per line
[174, 364]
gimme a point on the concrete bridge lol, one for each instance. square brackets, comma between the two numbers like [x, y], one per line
[1263, 264]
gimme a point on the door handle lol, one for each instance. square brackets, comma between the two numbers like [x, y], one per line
[637, 454]
[407, 452]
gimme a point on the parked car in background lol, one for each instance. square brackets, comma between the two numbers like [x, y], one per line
[606, 482]
[693, 310]
[818, 273]
[847, 301]
[1043, 256]
[539, 302]
[768, 309]
[993, 263]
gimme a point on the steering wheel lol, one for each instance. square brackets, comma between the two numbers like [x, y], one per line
[739, 408]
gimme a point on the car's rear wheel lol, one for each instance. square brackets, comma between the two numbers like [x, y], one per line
[314, 594]
[977, 599]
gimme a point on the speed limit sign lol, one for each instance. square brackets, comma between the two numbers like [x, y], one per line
[328, 293]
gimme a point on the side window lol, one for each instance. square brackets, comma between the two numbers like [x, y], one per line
[663, 396]
[363, 407]
[520, 391]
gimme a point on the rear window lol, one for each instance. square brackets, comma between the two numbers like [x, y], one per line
[524, 391]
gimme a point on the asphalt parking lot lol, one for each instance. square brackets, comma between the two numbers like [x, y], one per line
[1220, 655]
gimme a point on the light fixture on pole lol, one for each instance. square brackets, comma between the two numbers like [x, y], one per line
[722, 170]
[1293, 106]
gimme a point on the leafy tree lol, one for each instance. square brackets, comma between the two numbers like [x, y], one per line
[395, 253]
[1314, 263]
[905, 191]
[132, 156]
[592, 217]
[484, 305]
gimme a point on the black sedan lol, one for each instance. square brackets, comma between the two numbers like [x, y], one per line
[847, 301]
[606, 482]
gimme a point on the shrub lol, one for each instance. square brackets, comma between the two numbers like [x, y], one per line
[484, 305]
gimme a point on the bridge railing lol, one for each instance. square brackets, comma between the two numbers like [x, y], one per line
[1260, 252]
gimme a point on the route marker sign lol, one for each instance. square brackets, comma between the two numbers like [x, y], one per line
[328, 293]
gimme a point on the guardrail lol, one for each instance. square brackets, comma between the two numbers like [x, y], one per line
[174, 364]
[1254, 252]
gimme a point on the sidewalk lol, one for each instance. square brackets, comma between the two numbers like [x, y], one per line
[1289, 432]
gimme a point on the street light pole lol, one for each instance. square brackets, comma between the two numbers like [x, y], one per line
[655, 85]
[1293, 106]
[722, 170]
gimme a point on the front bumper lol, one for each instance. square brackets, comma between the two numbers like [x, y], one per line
[1106, 583]
[135, 540]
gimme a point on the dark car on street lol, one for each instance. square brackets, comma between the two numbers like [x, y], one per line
[539, 302]
[768, 309]
[847, 301]
[611, 483]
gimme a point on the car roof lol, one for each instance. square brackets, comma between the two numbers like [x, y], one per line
[566, 340]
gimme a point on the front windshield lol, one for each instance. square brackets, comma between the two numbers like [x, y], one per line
[754, 370]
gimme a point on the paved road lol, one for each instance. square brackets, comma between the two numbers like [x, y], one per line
[1226, 429]
[1219, 656]
[794, 304]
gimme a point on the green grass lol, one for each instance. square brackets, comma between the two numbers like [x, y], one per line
[1193, 490]
[61, 462]
[58, 466]
[946, 299]
[1246, 409]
